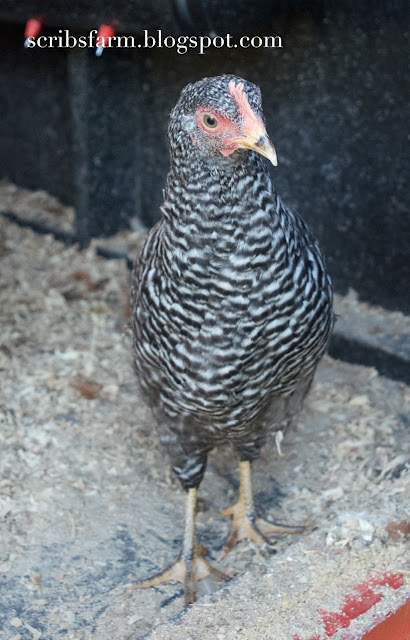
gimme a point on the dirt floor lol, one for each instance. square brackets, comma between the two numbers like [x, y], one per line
[87, 504]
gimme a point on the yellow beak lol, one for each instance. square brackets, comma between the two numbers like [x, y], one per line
[254, 133]
[259, 143]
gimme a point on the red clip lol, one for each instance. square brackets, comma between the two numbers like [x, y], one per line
[104, 32]
[33, 28]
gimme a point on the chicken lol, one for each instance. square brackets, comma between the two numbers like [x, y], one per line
[231, 305]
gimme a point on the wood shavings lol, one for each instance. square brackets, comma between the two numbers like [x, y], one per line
[349, 530]
[333, 494]
[16, 622]
[36, 633]
[83, 480]
[359, 401]
[36, 205]
[278, 439]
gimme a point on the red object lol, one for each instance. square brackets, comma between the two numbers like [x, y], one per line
[33, 27]
[355, 604]
[395, 627]
[104, 32]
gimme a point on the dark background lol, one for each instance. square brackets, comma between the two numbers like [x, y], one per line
[92, 131]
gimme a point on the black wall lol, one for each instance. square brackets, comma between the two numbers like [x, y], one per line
[93, 131]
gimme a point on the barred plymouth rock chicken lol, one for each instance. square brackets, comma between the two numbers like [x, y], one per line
[231, 305]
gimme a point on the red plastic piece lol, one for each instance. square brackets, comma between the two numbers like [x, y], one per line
[33, 26]
[355, 604]
[104, 32]
[395, 627]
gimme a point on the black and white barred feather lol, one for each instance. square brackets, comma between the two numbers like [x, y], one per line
[231, 302]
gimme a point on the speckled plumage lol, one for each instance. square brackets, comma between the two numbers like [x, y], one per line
[231, 303]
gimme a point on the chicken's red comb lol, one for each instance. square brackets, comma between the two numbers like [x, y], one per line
[239, 95]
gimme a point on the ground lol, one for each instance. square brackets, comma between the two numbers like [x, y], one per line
[87, 504]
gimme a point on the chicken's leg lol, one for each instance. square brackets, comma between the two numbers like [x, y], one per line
[245, 524]
[190, 566]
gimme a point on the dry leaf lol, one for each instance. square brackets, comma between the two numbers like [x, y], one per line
[86, 387]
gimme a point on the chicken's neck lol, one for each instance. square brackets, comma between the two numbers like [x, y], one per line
[219, 193]
[224, 214]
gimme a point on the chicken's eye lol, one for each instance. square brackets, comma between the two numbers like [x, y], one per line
[209, 121]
